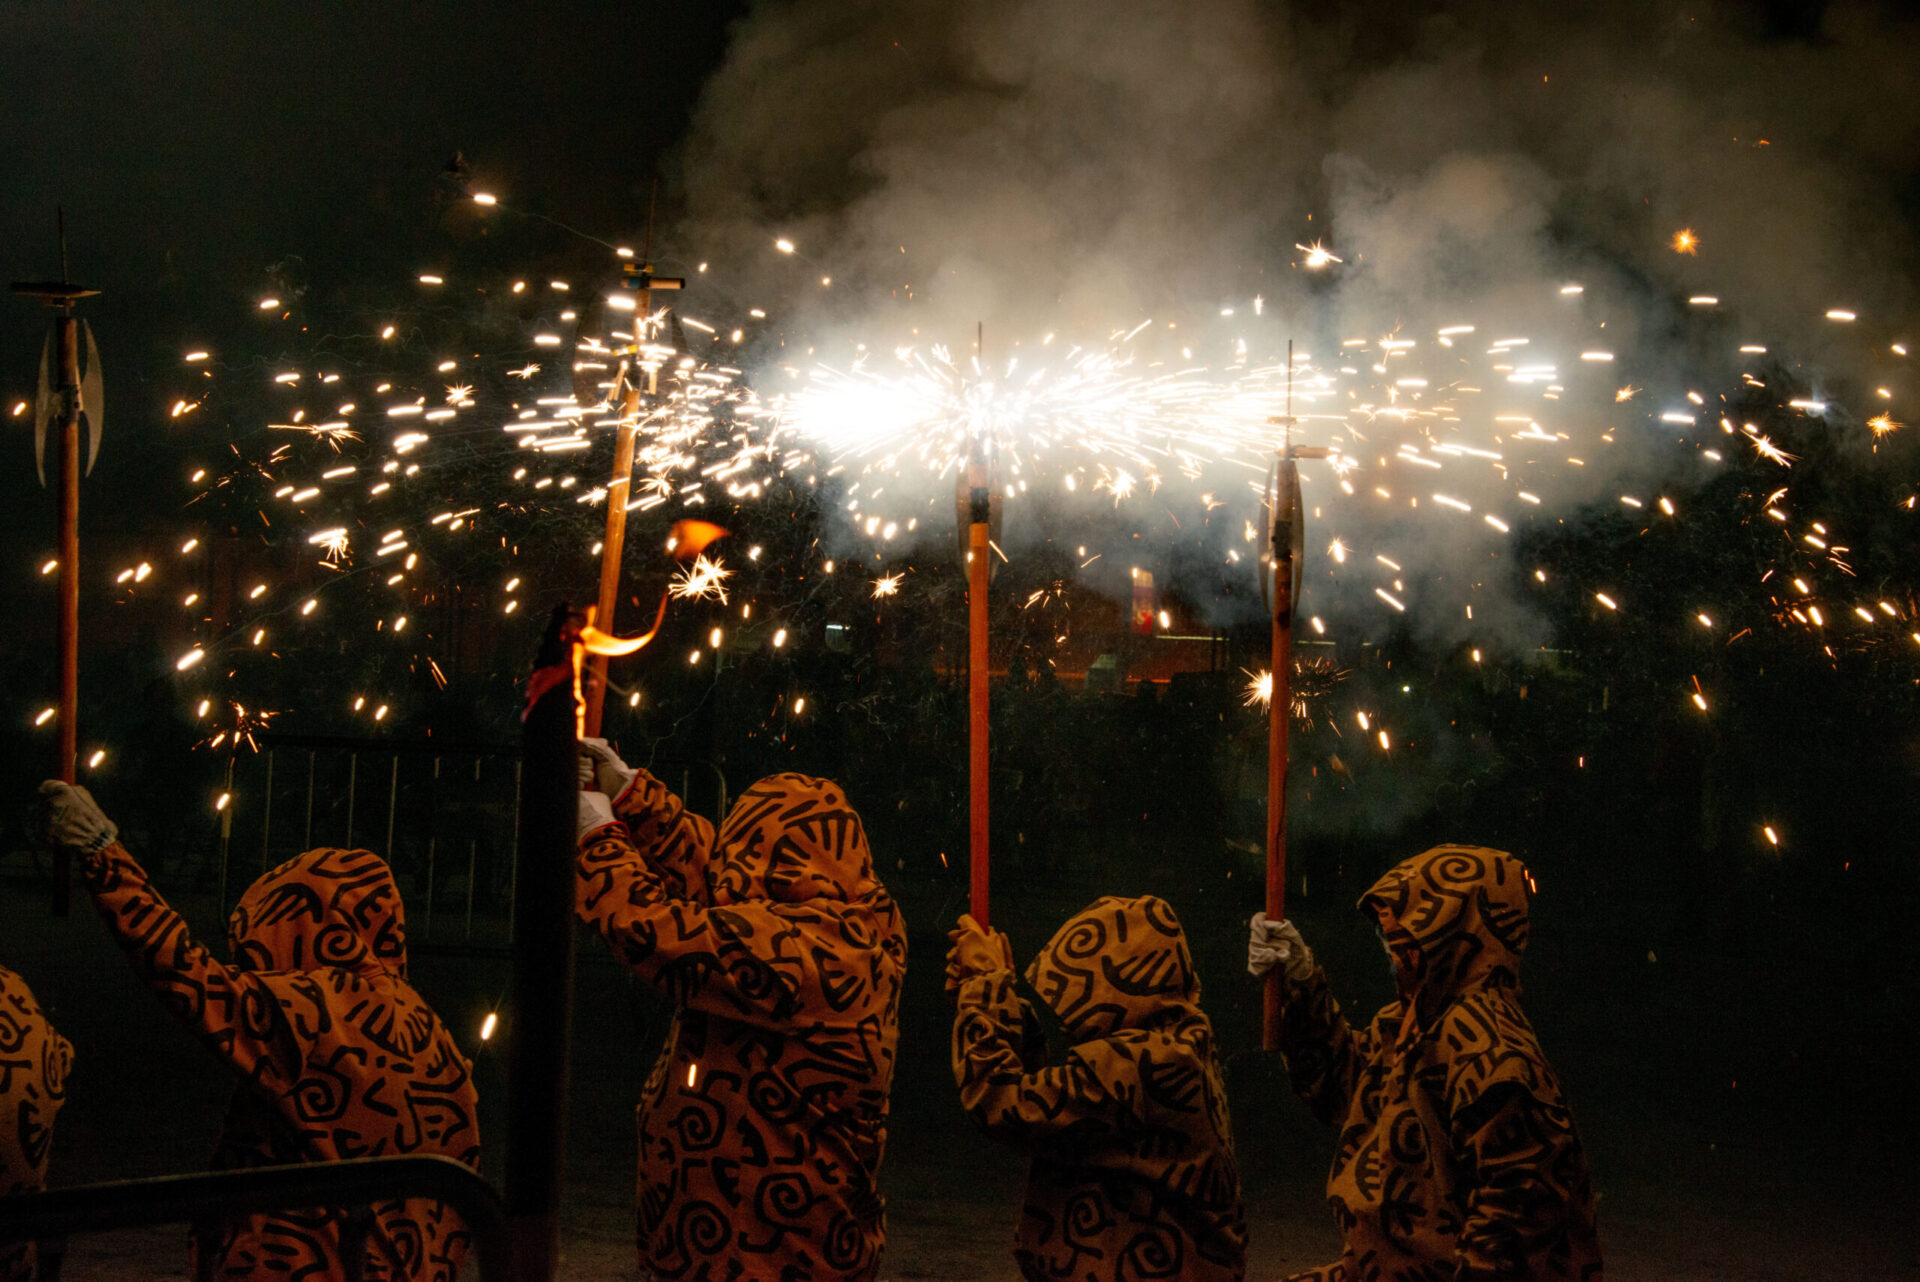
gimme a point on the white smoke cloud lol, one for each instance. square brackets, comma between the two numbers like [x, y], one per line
[1051, 165]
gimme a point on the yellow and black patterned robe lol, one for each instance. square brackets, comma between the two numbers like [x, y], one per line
[338, 1056]
[1132, 1174]
[763, 1124]
[1457, 1157]
[34, 1061]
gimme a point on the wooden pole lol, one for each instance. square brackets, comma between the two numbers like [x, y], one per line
[1286, 517]
[612, 548]
[61, 400]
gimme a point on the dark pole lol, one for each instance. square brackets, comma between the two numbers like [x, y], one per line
[542, 996]
[67, 481]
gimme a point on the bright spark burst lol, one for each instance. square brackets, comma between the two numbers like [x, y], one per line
[704, 580]
[1317, 256]
[1685, 242]
[888, 585]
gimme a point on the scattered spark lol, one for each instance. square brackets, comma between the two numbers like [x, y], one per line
[703, 580]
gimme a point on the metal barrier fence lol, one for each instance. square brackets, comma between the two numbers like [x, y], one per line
[204, 1200]
[445, 816]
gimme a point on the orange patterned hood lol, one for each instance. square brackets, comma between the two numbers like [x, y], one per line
[1461, 921]
[792, 838]
[325, 908]
[1118, 963]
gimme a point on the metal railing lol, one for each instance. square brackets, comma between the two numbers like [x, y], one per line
[353, 1185]
[445, 816]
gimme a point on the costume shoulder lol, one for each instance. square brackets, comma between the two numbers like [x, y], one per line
[1485, 1041]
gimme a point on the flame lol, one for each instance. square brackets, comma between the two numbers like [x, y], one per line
[689, 538]
[594, 641]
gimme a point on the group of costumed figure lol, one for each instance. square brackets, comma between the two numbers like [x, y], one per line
[762, 1127]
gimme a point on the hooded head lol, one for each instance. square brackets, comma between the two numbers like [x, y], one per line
[325, 909]
[793, 838]
[1118, 963]
[1458, 919]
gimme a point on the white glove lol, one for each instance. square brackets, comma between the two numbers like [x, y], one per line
[74, 820]
[601, 769]
[596, 812]
[1277, 943]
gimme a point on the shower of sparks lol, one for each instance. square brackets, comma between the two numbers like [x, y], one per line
[1157, 414]
[1685, 242]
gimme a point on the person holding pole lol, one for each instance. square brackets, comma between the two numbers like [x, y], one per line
[338, 1056]
[1458, 1156]
[1132, 1170]
[763, 1125]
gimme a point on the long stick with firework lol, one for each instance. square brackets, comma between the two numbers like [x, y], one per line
[977, 510]
[1287, 535]
[64, 397]
[628, 389]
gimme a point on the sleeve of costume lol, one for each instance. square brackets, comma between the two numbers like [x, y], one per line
[1096, 1089]
[678, 845]
[34, 1062]
[1530, 1183]
[1323, 1052]
[745, 961]
[263, 1031]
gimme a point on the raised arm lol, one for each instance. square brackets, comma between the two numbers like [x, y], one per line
[263, 1034]
[678, 844]
[1089, 1093]
[746, 961]
[1322, 1051]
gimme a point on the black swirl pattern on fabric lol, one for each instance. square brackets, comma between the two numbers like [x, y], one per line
[34, 1063]
[338, 1056]
[1132, 1174]
[1457, 1153]
[763, 1125]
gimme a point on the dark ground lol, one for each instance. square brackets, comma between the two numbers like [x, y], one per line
[1745, 1118]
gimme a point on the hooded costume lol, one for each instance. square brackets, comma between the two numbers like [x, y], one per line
[763, 1124]
[34, 1061]
[338, 1056]
[1457, 1157]
[1133, 1174]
